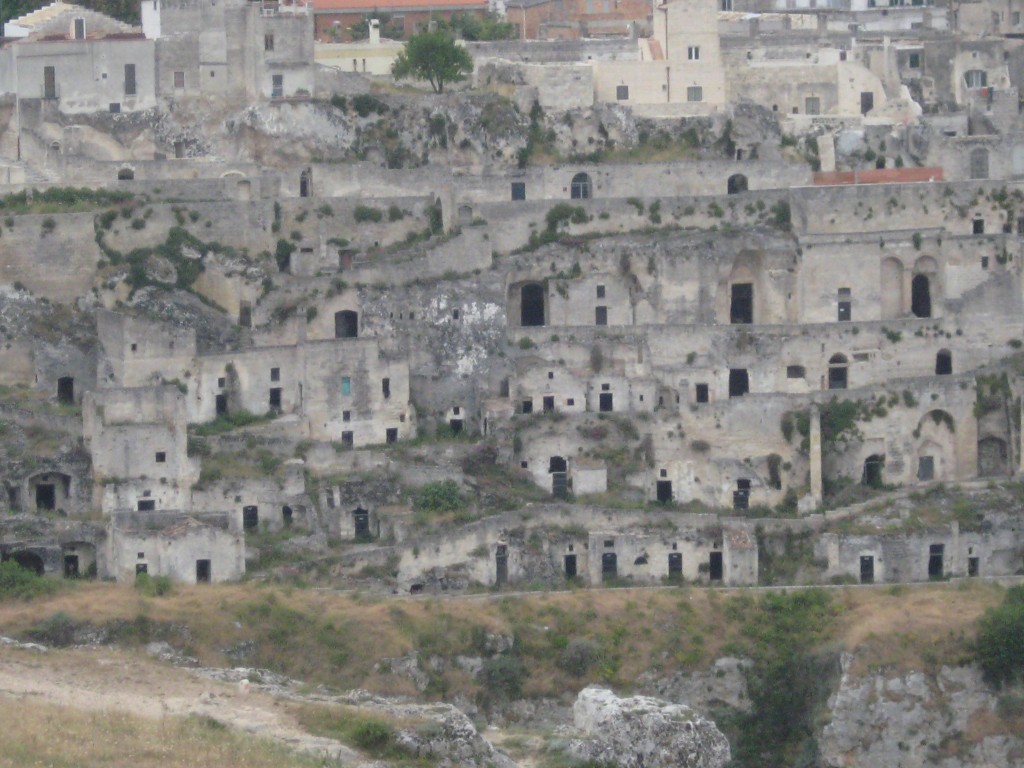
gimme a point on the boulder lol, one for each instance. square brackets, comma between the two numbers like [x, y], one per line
[643, 732]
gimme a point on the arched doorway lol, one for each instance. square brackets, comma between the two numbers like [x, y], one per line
[921, 296]
[837, 372]
[873, 467]
[581, 188]
[125, 174]
[531, 305]
[30, 561]
[346, 324]
[737, 183]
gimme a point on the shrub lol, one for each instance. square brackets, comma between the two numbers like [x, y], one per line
[578, 657]
[999, 647]
[153, 586]
[23, 584]
[440, 496]
[395, 213]
[57, 629]
[367, 213]
[503, 677]
[49, 224]
[373, 735]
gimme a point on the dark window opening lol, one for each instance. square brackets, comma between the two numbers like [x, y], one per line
[795, 372]
[978, 227]
[287, 516]
[867, 569]
[531, 305]
[936, 555]
[125, 174]
[129, 79]
[221, 404]
[605, 404]
[385, 387]
[455, 425]
[346, 324]
[46, 497]
[926, 467]
[664, 491]
[361, 523]
[867, 102]
[737, 183]
[528, 406]
[203, 571]
[275, 374]
[49, 83]
[715, 570]
[622, 93]
[601, 315]
[845, 312]
[275, 399]
[518, 190]
[609, 566]
[549, 403]
[305, 184]
[147, 505]
[741, 308]
[245, 314]
[739, 382]
[920, 296]
[250, 517]
[141, 568]
[944, 363]
[501, 565]
[675, 566]
[391, 435]
[71, 566]
[161, 457]
[741, 496]
[973, 566]
[66, 390]
[347, 440]
[837, 372]
[873, 467]
[79, 29]
[570, 566]
[702, 393]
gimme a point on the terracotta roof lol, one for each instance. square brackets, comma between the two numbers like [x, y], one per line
[878, 176]
[393, 6]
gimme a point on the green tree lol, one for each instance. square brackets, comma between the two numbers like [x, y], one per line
[434, 57]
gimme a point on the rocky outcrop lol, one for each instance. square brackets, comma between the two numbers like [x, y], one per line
[642, 732]
[949, 720]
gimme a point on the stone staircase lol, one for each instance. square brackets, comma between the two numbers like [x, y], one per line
[18, 172]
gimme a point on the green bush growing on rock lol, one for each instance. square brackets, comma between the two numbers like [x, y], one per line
[999, 647]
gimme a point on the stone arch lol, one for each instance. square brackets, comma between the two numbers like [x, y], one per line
[125, 174]
[740, 294]
[993, 457]
[943, 363]
[532, 305]
[934, 433]
[346, 324]
[736, 184]
[891, 288]
[581, 187]
[30, 561]
[979, 163]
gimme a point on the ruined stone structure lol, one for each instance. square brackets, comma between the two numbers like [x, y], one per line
[630, 371]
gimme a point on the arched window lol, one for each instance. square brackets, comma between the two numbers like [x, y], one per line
[581, 187]
[873, 466]
[837, 372]
[737, 183]
[306, 183]
[346, 324]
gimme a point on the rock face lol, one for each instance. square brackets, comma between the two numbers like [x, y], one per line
[946, 720]
[642, 732]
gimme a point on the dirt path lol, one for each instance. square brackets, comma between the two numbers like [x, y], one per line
[103, 679]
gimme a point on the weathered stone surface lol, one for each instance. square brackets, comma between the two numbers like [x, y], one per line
[723, 683]
[914, 720]
[643, 732]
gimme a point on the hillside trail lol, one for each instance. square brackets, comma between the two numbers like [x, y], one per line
[101, 679]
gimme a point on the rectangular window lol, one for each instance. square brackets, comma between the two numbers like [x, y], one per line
[812, 105]
[49, 83]
[346, 385]
[528, 406]
[346, 440]
[275, 374]
[795, 372]
[702, 393]
[726, 5]
[346, 415]
[601, 316]
[518, 190]
[268, 42]
[385, 386]
[129, 79]
[845, 311]
[274, 401]
[926, 468]
[622, 93]
[79, 29]
[391, 435]
[1015, 18]
[694, 93]
[600, 291]
[914, 61]
[277, 87]
[693, 53]
[179, 79]
[161, 457]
